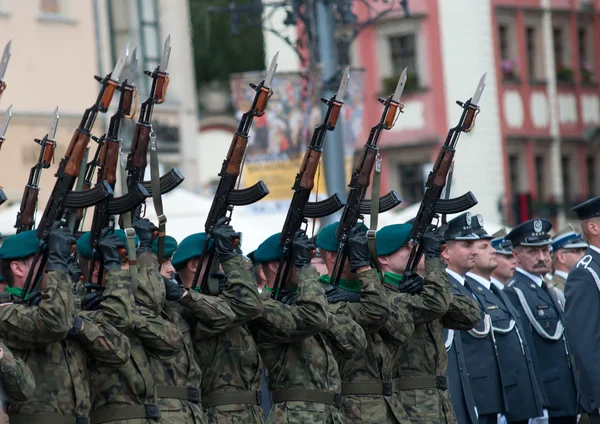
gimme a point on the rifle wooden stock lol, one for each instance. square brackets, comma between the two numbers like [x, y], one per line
[110, 161]
[25, 217]
[139, 146]
[75, 152]
[309, 166]
[442, 167]
[235, 155]
[162, 83]
[366, 166]
[107, 96]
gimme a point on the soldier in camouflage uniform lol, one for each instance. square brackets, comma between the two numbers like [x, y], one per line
[16, 380]
[420, 366]
[227, 354]
[36, 331]
[291, 334]
[367, 378]
[166, 268]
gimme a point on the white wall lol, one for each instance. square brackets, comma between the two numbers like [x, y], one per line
[288, 59]
[468, 52]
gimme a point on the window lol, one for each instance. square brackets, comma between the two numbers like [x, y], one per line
[50, 6]
[585, 62]
[530, 41]
[590, 165]
[513, 169]
[558, 45]
[539, 176]
[503, 39]
[150, 35]
[412, 182]
[403, 51]
[566, 175]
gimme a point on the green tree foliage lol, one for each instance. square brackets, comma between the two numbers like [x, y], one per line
[219, 53]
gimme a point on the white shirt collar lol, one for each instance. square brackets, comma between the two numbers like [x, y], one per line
[536, 278]
[561, 273]
[597, 249]
[456, 275]
[486, 283]
[497, 283]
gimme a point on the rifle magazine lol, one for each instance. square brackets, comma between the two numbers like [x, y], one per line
[129, 201]
[386, 203]
[247, 196]
[323, 208]
[456, 205]
[87, 198]
[168, 182]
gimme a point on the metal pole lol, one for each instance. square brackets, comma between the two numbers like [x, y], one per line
[333, 149]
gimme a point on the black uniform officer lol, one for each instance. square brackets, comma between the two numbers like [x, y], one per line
[539, 307]
[582, 311]
[521, 386]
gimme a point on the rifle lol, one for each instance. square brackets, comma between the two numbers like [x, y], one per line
[356, 204]
[63, 197]
[26, 215]
[226, 196]
[3, 129]
[107, 168]
[4, 64]
[300, 208]
[88, 175]
[432, 204]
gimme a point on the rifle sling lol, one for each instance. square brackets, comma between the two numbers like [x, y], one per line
[129, 233]
[156, 197]
[375, 193]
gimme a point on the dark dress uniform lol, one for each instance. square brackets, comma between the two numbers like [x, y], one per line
[538, 306]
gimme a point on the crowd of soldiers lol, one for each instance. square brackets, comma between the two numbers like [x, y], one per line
[485, 334]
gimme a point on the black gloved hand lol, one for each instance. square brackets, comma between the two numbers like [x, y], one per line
[413, 284]
[358, 248]
[222, 280]
[34, 298]
[288, 297]
[336, 294]
[145, 229]
[60, 243]
[77, 326]
[433, 238]
[224, 236]
[109, 248]
[74, 269]
[92, 301]
[302, 249]
[172, 290]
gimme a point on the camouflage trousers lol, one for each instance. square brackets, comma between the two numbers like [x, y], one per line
[235, 414]
[428, 406]
[372, 410]
[189, 413]
[304, 413]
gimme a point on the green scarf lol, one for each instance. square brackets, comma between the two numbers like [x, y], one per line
[392, 278]
[16, 291]
[350, 285]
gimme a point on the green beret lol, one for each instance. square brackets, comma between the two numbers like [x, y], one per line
[391, 238]
[327, 240]
[269, 250]
[85, 250]
[189, 248]
[170, 246]
[20, 245]
[251, 257]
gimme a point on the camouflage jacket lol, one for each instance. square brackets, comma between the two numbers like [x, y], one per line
[296, 353]
[38, 335]
[375, 365]
[425, 354]
[227, 354]
[16, 380]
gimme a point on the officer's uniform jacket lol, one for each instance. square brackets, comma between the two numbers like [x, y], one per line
[558, 282]
[522, 392]
[538, 306]
[459, 384]
[583, 325]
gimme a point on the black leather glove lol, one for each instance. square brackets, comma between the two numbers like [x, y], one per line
[77, 326]
[358, 248]
[34, 298]
[224, 236]
[335, 295]
[74, 269]
[109, 248]
[302, 249]
[145, 229]
[93, 299]
[433, 238]
[413, 284]
[60, 243]
[288, 297]
[172, 289]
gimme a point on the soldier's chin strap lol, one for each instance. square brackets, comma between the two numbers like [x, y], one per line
[375, 193]
[129, 230]
[156, 197]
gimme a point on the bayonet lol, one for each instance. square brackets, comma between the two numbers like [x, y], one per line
[343, 85]
[164, 60]
[53, 125]
[5, 123]
[400, 86]
[116, 73]
[272, 69]
[133, 67]
[5, 59]
[479, 91]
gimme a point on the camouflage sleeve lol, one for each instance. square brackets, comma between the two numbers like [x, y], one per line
[345, 335]
[434, 300]
[162, 339]
[241, 292]
[373, 309]
[116, 306]
[103, 341]
[279, 323]
[16, 378]
[212, 314]
[150, 288]
[400, 325]
[40, 325]
[463, 313]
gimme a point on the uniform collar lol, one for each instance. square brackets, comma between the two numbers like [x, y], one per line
[597, 249]
[457, 276]
[561, 273]
[497, 283]
[536, 278]
[485, 283]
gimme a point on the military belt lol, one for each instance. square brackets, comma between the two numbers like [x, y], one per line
[426, 382]
[191, 394]
[148, 411]
[232, 398]
[373, 387]
[47, 419]
[301, 395]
